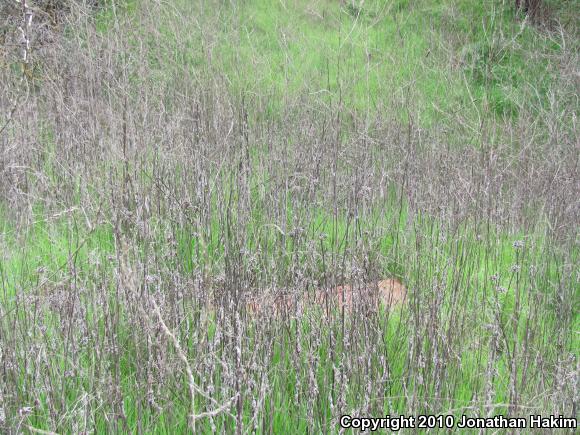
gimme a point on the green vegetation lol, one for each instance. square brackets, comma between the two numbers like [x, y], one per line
[176, 162]
[440, 56]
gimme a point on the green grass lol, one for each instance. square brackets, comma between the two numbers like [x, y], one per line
[489, 300]
[469, 257]
[429, 57]
[49, 247]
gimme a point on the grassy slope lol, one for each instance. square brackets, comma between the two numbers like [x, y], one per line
[364, 56]
[438, 56]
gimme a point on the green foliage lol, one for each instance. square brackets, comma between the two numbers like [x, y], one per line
[484, 302]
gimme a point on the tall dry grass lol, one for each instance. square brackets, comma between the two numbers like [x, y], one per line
[137, 192]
